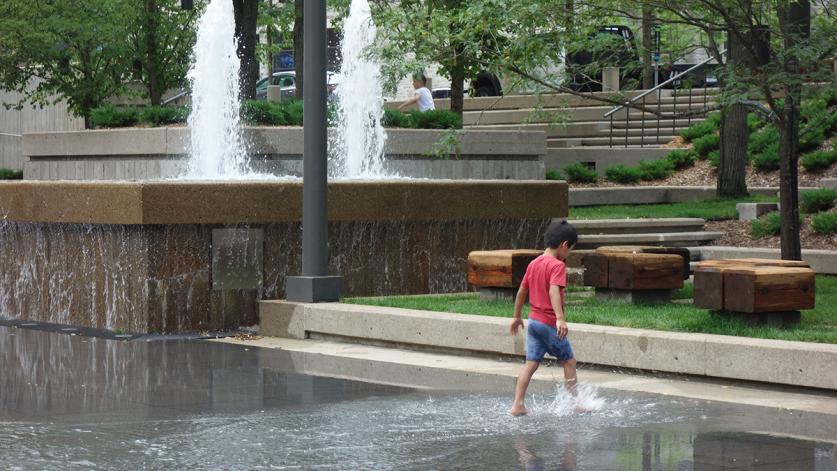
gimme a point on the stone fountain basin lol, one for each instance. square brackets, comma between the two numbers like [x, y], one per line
[166, 256]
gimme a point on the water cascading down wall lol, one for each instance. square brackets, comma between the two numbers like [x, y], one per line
[178, 256]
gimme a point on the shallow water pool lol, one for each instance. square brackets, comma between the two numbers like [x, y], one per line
[71, 402]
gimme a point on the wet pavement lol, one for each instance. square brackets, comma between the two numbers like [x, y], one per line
[74, 402]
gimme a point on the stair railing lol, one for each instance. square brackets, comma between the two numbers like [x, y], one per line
[629, 104]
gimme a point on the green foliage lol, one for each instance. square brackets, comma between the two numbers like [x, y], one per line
[109, 116]
[263, 112]
[714, 158]
[554, 175]
[761, 140]
[814, 201]
[580, 173]
[162, 115]
[680, 159]
[447, 146]
[706, 144]
[293, 111]
[768, 159]
[9, 174]
[825, 223]
[656, 169]
[622, 174]
[819, 160]
[766, 226]
[816, 122]
[709, 126]
[755, 122]
[438, 119]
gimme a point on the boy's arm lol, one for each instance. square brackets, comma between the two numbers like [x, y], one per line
[519, 301]
[558, 307]
[411, 101]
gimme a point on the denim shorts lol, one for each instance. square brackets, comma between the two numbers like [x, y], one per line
[542, 339]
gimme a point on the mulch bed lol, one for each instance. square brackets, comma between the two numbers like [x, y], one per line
[738, 235]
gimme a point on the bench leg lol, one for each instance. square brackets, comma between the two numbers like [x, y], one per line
[497, 294]
[645, 296]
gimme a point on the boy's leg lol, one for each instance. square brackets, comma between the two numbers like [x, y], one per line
[523, 379]
[570, 377]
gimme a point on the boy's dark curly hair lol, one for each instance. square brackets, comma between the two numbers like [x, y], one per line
[558, 232]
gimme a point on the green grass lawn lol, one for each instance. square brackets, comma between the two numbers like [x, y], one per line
[711, 209]
[818, 325]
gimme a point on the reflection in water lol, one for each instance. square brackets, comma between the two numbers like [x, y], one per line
[70, 402]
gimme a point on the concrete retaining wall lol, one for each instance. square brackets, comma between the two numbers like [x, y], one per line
[10, 152]
[829, 183]
[650, 194]
[772, 361]
[822, 261]
[601, 158]
[154, 153]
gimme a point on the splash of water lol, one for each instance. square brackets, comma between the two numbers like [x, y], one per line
[359, 144]
[216, 147]
[586, 399]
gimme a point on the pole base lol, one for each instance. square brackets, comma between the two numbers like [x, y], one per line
[313, 289]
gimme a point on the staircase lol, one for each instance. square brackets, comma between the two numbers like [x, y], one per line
[572, 121]
[665, 232]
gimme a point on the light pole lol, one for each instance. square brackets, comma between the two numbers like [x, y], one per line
[314, 285]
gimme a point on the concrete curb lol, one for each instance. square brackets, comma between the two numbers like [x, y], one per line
[772, 361]
[822, 261]
[651, 194]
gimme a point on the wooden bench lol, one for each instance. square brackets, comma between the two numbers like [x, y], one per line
[498, 273]
[636, 274]
[763, 291]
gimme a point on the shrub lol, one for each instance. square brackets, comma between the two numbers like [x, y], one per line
[698, 130]
[622, 174]
[763, 139]
[580, 173]
[825, 223]
[109, 116]
[263, 112]
[706, 144]
[814, 201]
[655, 170]
[160, 115]
[293, 112]
[554, 175]
[819, 160]
[715, 158]
[768, 159]
[395, 119]
[9, 174]
[680, 159]
[755, 122]
[765, 226]
[436, 119]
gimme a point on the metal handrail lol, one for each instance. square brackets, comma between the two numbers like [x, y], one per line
[175, 97]
[661, 85]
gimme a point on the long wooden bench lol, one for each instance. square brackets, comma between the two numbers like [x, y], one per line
[498, 273]
[763, 291]
[636, 274]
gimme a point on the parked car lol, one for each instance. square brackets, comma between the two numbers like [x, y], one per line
[441, 92]
[287, 84]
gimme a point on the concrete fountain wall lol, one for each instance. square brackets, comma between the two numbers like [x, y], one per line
[174, 256]
[154, 153]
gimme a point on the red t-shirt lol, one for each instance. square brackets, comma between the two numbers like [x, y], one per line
[542, 273]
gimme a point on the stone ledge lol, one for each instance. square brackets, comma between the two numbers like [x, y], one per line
[667, 239]
[625, 226]
[652, 194]
[208, 202]
[772, 361]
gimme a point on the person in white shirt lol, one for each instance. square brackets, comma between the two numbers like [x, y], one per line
[423, 97]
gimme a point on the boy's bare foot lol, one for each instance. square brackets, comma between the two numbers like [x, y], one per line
[583, 409]
[517, 411]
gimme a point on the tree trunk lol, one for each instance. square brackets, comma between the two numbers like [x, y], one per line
[795, 23]
[299, 56]
[457, 89]
[732, 169]
[647, 46]
[151, 53]
[246, 13]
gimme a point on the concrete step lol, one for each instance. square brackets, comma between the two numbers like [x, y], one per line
[650, 130]
[680, 123]
[606, 141]
[664, 239]
[579, 129]
[637, 226]
[586, 114]
[830, 183]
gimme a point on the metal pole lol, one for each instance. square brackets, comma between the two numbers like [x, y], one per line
[314, 285]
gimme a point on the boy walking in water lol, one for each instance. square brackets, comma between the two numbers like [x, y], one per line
[544, 283]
